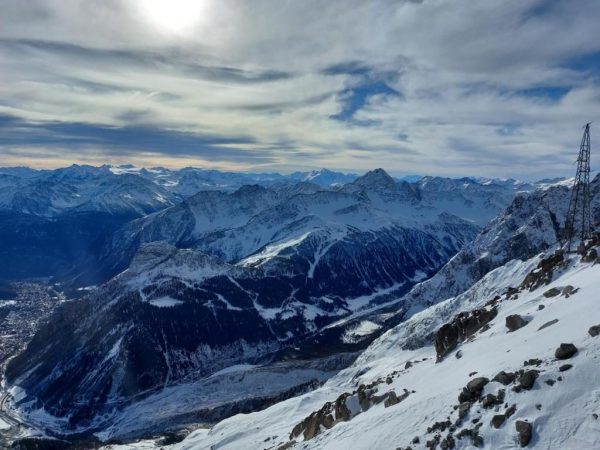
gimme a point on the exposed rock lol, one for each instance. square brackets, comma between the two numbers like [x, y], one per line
[510, 411]
[565, 367]
[524, 432]
[565, 351]
[498, 420]
[463, 409]
[594, 330]
[458, 354]
[514, 322]
[505, 377]
[552, 292]
[569, 290]
[540, 307]
[448, 442]
[491, 400]
[332, 413]
[544, 272]
[550, 382]
[472, 373]
[477, 384]
[439, 426]
[533, 362]
[472, 391]
[472, 433]
[591, 256]
[416, 440]
[392, 399]
[548, 324]
[463, 326]
[408, 365]
[527, 379]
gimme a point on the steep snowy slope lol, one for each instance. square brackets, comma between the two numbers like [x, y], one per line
[496, 389]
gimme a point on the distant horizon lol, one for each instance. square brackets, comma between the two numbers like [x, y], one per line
[291, 172]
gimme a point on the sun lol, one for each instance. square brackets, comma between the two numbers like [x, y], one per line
[175, 16]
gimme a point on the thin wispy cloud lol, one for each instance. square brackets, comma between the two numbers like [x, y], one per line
[497, 88]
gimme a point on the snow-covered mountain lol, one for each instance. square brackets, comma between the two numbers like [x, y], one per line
[523, 374]
[503, 354]
[81, 188]
[178, 316]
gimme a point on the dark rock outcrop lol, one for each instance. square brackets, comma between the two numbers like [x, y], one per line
[463, 326]
[505, 378]
[514, 322]
[544, 272]
[472, 392]
[527, 379]
[524, 432]
[594, 330]
[565, 351]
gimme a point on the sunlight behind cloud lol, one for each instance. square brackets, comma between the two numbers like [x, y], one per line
[174, 16]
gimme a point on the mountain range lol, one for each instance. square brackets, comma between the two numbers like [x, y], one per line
[284, 284]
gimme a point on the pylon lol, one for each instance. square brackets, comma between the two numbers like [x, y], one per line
[579, 217]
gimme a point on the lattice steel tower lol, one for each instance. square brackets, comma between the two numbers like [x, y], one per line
[579, 217]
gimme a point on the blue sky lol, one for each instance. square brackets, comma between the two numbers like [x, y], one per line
[494, 88]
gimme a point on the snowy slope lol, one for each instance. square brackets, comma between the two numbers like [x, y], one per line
[562, 414]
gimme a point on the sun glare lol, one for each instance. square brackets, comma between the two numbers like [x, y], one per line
[176, 16]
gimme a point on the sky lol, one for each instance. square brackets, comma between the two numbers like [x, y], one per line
[497, 88]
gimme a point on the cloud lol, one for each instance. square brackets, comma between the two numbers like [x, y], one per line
[496, 88]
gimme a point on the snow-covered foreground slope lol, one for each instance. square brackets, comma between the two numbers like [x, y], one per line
[561, 406]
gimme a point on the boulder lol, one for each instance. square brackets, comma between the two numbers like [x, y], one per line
[565, 367]
[524, 432]
[552, 292]
[505, 378]
[565, 351]
[476, 385]
[527, 379]
[514, 322]
[594, 330]
[498, 420]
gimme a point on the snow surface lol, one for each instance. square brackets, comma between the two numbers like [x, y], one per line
[4, 425]
[165, 302]
[564, 420]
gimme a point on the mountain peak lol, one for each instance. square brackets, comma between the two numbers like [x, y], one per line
[377, 178]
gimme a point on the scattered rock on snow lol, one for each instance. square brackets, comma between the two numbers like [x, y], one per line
[505, 377]
[514, 322]
[533, 362]
[565, 351]
[594, 330]
[524, 432]
[552, 292]
[527, 380]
